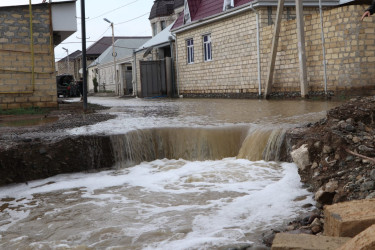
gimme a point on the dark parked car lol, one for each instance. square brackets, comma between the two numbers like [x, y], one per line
[66, 86]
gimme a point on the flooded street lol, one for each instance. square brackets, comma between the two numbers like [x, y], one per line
[189, 174]
[140, 113]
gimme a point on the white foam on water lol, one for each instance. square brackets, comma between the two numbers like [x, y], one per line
[164, 204]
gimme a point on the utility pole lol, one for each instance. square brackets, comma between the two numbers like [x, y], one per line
[301, 48]
[84, 66]
[275, 42]
[67, 60]
[114, 55]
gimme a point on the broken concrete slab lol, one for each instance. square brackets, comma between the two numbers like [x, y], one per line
[285, 241]
[348, 219]
[363, 241]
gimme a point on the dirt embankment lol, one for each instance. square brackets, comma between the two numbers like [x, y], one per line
[341, 152]
[40, 151]
[340, 160]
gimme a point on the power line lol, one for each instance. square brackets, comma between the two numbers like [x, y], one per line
[105, 31]
[132, 19]
[112, 10]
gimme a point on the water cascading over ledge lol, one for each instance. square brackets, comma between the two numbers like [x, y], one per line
[197, 144]
[41, 159]
[194, 144]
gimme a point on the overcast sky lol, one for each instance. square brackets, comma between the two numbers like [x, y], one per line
[117, 11]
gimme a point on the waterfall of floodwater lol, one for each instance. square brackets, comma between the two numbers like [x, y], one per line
[263, 144]
[197, 144]
[176, 143]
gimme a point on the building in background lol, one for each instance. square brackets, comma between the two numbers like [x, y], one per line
[27, 63]
[163, 13]
[103, 70]
[218, 49]
[154, 64]
[67, 65]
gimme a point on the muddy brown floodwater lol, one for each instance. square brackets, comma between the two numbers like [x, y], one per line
[188, 174]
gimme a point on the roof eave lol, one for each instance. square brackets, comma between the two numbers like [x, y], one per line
[214, 18]
[245, 7]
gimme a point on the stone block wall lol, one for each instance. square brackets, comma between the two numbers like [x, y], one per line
[63, 68]
[350, 54]
[16, 83]
[234, 57]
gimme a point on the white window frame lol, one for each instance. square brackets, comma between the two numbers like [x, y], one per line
[190, 50]
[163, 24]
[228, 4]
[154, 29]
[207, 48]
[187, 17]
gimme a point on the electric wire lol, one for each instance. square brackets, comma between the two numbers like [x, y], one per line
[112, 10]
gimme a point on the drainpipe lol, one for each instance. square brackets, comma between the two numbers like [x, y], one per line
[258, 51]
[173, 71]
[51, 47]
[323, 47]
[135, 86]
[32, 45]
[177, 71]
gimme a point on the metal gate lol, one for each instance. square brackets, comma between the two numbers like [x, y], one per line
[153, 80]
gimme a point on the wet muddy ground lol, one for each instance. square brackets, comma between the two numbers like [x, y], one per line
[17, 129]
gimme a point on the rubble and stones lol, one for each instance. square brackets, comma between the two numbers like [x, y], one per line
[341, 148]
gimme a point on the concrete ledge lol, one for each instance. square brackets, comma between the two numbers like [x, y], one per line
[285, 241]
[363, 241]
[348, 219]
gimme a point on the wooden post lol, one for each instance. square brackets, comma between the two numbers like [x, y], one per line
[301, 48]
[275, 41]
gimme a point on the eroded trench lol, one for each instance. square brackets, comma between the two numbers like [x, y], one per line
[40, 159]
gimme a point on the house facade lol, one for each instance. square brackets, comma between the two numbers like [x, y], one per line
[154, 60]
[163, 13]
[104, 71]
[67, 65]
[28, 36]
[218, 52]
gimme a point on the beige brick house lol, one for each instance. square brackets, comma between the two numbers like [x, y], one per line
[218, 53]
[28, 35]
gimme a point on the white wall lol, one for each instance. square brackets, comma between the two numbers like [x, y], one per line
[64, 17]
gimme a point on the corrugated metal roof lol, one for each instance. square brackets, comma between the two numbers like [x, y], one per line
[123, 47]
[161, 38]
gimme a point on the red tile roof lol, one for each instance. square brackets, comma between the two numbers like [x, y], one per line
[200, 9]
[193, 6]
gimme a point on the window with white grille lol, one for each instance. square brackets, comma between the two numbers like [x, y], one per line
[190, 50]
[207, 48]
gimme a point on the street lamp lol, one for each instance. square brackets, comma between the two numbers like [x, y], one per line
[67, 59]
[113, 54]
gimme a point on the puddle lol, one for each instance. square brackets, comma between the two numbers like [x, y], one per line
[15, 121]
